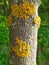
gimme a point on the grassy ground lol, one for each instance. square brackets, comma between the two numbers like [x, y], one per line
[43, 46]
[4, 39]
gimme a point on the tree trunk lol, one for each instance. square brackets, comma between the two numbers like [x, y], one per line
[23, 34]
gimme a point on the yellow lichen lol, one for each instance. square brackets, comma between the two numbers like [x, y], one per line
[28, 8]
[31, 9]
[22, 49]
[15, 10]
[32, 63]
[9, 20]
[14, 6]
[24, 10]
[37, 21]
[24, 6]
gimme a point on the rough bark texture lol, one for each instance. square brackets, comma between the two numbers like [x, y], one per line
[26, 30]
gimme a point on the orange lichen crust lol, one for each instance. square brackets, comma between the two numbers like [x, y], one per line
[22, 49]
[15, 10]
[24, 10]
[9, 20]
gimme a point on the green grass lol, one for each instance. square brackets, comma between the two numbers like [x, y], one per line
[43, 45]
[4, 39]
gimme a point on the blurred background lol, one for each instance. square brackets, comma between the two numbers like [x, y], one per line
[43, 34]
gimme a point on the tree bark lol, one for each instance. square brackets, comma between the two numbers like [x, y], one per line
[25, 30]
